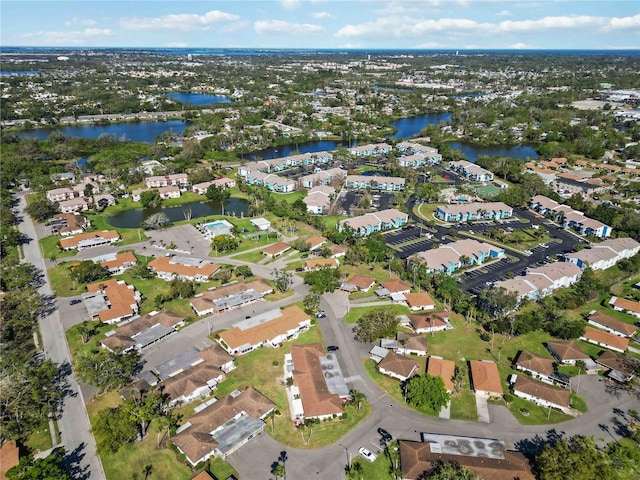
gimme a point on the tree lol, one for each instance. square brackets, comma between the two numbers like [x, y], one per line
[139, 270]
[87, 271]
[311, 302]
[426, 391]
[301, 245]
[224, 243]
[114, 429]
[325, 279]
[273, 414]
[575, 458]
[181, 288]
[375, 324]
[105, 369]
[156, 221]
[243, 271]
[143, 409]
[150, 198]
[449, 471]
[41, 209]
[497, 301]
[282, 279]
[52, 467]
[218, 194]
[356, 397]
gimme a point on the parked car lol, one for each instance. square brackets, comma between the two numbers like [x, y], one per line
[332, 348]
[386, 436]
[321, 314]
[299, 269]
[75, 302]
[304, 255]
[367, 454]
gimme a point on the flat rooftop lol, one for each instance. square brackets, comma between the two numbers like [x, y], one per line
[467, 446]
[333, 376]
[177, 364]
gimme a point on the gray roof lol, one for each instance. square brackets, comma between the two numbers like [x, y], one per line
[152, 334]
[333, 376]
[181, 362]
[238, 299]
[236, 430]
[95, 303]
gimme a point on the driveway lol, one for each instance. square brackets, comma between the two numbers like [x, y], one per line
[482, 407]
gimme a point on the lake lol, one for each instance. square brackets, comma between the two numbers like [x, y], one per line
[198, 98]
[135, 131]
[133, 218]
[411, 126]
[472, 152]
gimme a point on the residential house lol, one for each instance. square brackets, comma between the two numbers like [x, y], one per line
[89, 240]
[275, 250]
[111, 301]
[429, 322]
[419, 301]
[73, 205]
[319, 389]
[605, 339]
[611, 324]
[492, 462]
[398, 366]
[271, 181]
[261, 223]
[542, 394]
[375, 222]
[315, 242]
[318, 263]
[361, 282]
[471, 171]
[621, 368]
[540, 368]
[223, 426]
[411, 344]
[542, 281]
[156, 181]
[116, 263]
[269, 329]
[391, 287]
[623, 305]
[183, 268]
[60, 194]
[567, 352]
[569, 218]
[230, 296]
[485, 378]
[143, 331]
[375, 182]
[429, 154]
[67, 224]
[452, 256]
[103, 201]
[318, 199]
[473, 211]
[445, 369]
[170, 191]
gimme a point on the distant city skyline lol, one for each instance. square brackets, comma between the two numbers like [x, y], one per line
[344, 24]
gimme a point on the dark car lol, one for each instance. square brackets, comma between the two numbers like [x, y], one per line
[304, 255]
[75, 302]
[321, 314]
[332, 348]
[386, 436]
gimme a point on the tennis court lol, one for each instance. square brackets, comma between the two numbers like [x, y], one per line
[487, 191]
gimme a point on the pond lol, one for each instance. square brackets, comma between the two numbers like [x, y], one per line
[133, 218]
[472, 152]
[194, 98]
[135, 131]
[411, 126]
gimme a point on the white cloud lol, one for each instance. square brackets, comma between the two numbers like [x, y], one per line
[400, 27]
[409, 7]
[504, 13]
[321, 15]
[83, 22]
[521, 46]
[181, 22]
[70, 38]
[290, 4]
[616, 23]
[267, 27]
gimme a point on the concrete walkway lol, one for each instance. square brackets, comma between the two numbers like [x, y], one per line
[445, 412]
[482, 407]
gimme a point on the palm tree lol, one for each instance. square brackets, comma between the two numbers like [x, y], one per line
[147, 471]
[357, 467]
[272, 416]
[357, 397]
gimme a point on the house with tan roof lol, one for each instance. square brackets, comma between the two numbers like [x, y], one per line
[361, 282]
[318, 263]
[60, 194]
[223, 426]
[569, 217]
[542, 281]
[495, 463]
[67, 224]
[621, 368]
[316, 242]
[568, 353]
[318, 199]
[89, 240]
[445, 369]
[486, 378]
[409, 343]
[611, 324]
[542, 394]
[275, 250]
[393, 286]
[111, 301]
[230, 296]
[429, 322]
[319, 389]
[540, 368]
[116, 263]
[398, 366]
[605, 339]
[419, 301]
[73, 205]
[266, 329]
[183, 268]
[143, 331]
[452, 256]
[471, 171]
[624, 305]
[375, 182]
[323, 177]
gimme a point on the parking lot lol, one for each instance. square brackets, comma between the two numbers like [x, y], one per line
[349, 201]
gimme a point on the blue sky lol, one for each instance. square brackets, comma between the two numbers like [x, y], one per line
[409, 24]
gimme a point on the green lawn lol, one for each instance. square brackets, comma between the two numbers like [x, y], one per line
[463, 406]
[39, 440]
[74, 340]
[355, 313]
[253, 257]
[127, 235]
[248, 244]
[51, 250]
[427, 212]
[378, 470]
[332, 220]
[290, 197]
[62, 284]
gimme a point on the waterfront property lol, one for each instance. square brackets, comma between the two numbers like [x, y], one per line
[142, 332]
[270, 329]
[461, 253]
[183, 268]
[219, 227]
[474, 211]
[605, 254]
[223, 426]
[201, 188]
[429, 155]
[471, 171]
[375, 222]
[370, 149]
[319, 389]
[89, 240]
[375, 182]
[229, 296]
[111, 301]
[569, 218]
[270, 180]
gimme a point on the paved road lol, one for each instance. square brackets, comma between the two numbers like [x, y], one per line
[73, 422]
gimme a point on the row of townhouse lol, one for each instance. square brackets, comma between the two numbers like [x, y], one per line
[164, 192]
[323, 177]
[89, 240]
[271, 181]
[183, 268]
[67, 224]
[370, 149]
[201, 188]
[375, 182]
[455, 255]
[142, 332]
[429, 154]
[604, 255]
[230, 296]
[474, 211]
[542, 281]
[111, 301]
[375, 222]
[318, 199]
[280, 164]
[174, 180]
[471, 171]
[569, 217]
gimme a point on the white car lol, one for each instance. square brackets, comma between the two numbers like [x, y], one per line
[367, 454]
